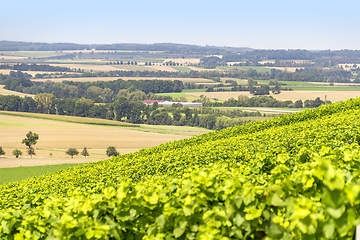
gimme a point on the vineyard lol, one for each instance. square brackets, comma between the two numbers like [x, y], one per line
[290, 177]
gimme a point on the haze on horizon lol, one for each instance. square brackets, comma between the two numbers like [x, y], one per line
[313, 25]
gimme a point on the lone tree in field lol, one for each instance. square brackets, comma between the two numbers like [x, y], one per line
[17, 153]
[2, 152]
[31, 139]
[111, 151]
[31, 151]
[72, 152]
[85, 152]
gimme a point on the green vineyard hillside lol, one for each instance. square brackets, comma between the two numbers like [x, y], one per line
[290, 177]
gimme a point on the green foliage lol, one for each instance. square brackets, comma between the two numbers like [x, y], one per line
[72, 152]
[111, 151]
[2, 152]
[291, 177]
[17, 153]
[31, 139]
[31, 151]
[85, 152]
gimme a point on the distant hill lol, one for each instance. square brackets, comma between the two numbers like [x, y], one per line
[167, 47]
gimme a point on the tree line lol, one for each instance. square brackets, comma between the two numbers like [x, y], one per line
[35, 67]
[99, 91]
[265, 101]
[125, 110]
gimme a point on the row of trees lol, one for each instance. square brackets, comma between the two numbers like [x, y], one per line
[30, 140]
[110, 151]
[100, 91]
[120, 110]
[35, 67]
[266, 101]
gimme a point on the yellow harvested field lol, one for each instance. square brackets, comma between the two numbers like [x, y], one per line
[8, 92]
[333, 96]
[56, 137]
[11, 57]
[183, 60]
[203, 69]
[33, 73]
[87, 67]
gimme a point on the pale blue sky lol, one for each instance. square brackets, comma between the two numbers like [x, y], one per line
[256, 24]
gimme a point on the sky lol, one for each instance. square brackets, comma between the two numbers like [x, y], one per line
[312, 25]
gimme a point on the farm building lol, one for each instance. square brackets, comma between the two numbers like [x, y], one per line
[168, 104]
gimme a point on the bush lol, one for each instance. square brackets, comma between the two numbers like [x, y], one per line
[2, 152]
[111, 151]
[17, 153]
[72, 152]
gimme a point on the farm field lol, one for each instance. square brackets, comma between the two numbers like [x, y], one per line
[183, 60]
[263, 109]
[182, 69]
[87, 67]
[333, 96]
[33, 73]
[57, 136]
[21, 173]
[34, 54]
[178, 95]
[9, 92]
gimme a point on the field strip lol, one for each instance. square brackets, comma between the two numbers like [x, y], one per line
[55, 137]
[9, 92]
[71, 119]
[333, 96]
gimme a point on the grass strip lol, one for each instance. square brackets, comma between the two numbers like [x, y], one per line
[72, 119]
[21, 173]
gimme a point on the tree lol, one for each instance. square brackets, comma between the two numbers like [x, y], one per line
[31, 151]
[17, 153]
[44, 102]
[299, 104]
[85, 152]
[2, 152]
[31, 139]
[72, 152]
[111, 151]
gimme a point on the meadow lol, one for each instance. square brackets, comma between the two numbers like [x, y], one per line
[21, 173]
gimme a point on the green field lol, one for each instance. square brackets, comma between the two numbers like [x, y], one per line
[193, 90]
[35, 54]
[258, 69]
[72, 119]
[182, 69]
[21, 173]
[174, 95]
